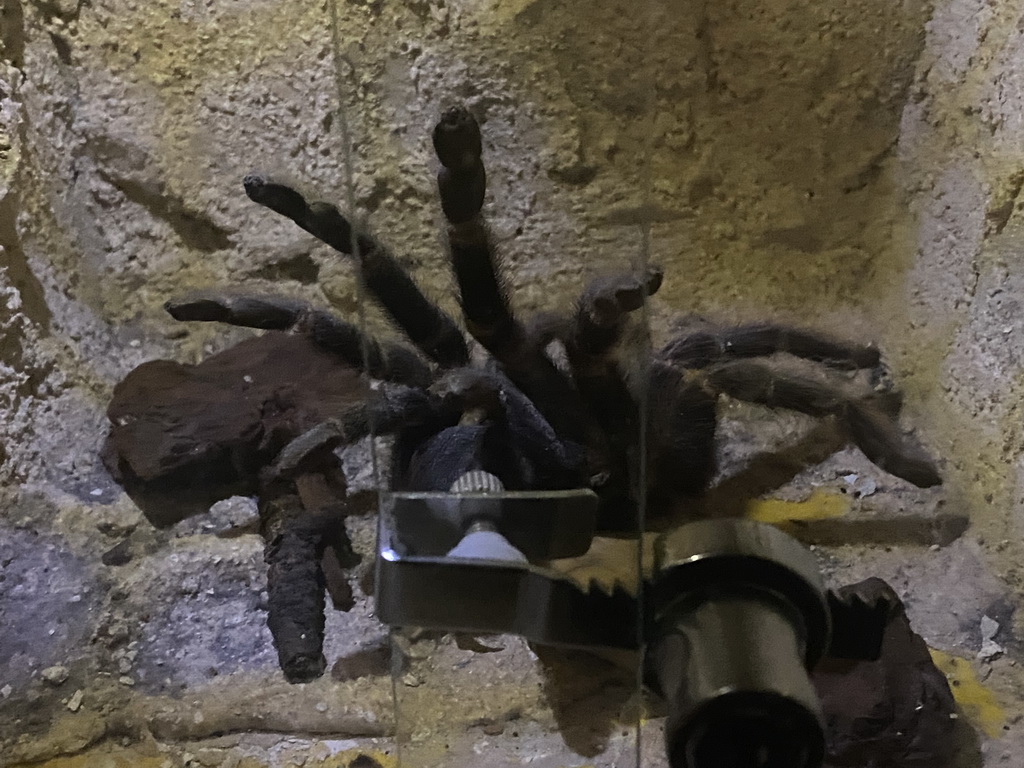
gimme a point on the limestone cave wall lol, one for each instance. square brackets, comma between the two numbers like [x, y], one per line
[852, 166]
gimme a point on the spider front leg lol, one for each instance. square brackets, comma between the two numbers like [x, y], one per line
[426, 325]
[461, 183]
[485, 301]
[870, 418]
[468, 419]
[608, 373]
[610, 370]
[379, 359]
[605, 305]
[682, 420]
[418, 418]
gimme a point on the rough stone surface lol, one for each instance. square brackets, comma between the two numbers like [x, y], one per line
[854, 166]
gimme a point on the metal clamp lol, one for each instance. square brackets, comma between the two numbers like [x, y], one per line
[733, 613]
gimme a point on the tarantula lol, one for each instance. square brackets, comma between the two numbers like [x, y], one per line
[520, 416]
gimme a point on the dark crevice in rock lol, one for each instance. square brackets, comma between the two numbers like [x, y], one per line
[634, 215]
[1005, 202]
[31, 290]
[12, 32]
[706, 50]
[871, 170]
[301, 268]
[579, 174]
[128, 166]
[63, 48]
[197, 231]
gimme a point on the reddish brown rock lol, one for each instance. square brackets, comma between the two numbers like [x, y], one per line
[185, 436]
[896, 712]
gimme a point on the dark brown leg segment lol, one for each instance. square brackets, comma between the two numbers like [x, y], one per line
[681, 436]
[461, 183]
[592, 337]
[485, 301]
[385, 412]
[604, 306]
[878, 436]
[427, 326]
[869, 419]
[383, 360]
[700, 349]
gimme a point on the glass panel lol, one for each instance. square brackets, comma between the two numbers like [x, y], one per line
[530, 439]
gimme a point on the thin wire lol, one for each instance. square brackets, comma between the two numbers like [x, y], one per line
[341, 65]
[641, 485]
[644, 256]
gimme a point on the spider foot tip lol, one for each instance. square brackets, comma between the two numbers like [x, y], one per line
[457, 139]
[254, 181]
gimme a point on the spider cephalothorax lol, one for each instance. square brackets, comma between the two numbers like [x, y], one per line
[534, 424]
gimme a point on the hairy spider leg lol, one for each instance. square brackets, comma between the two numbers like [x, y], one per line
[869, 419]
[556, 463]
[434, 447]
[436, 443]
[391, 409]
[608, 371]
[595, 337]
[682, 422]
[484, 296]
[431, 329]
[700, 349]
[878, 436]
[380, 359]
[461, 183]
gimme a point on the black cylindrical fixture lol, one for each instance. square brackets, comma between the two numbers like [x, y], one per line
[739, 615]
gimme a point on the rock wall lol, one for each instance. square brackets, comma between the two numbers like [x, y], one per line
[854, 166]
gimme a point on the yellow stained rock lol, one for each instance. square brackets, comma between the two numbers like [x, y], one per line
[820, 505]
[976, 701]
